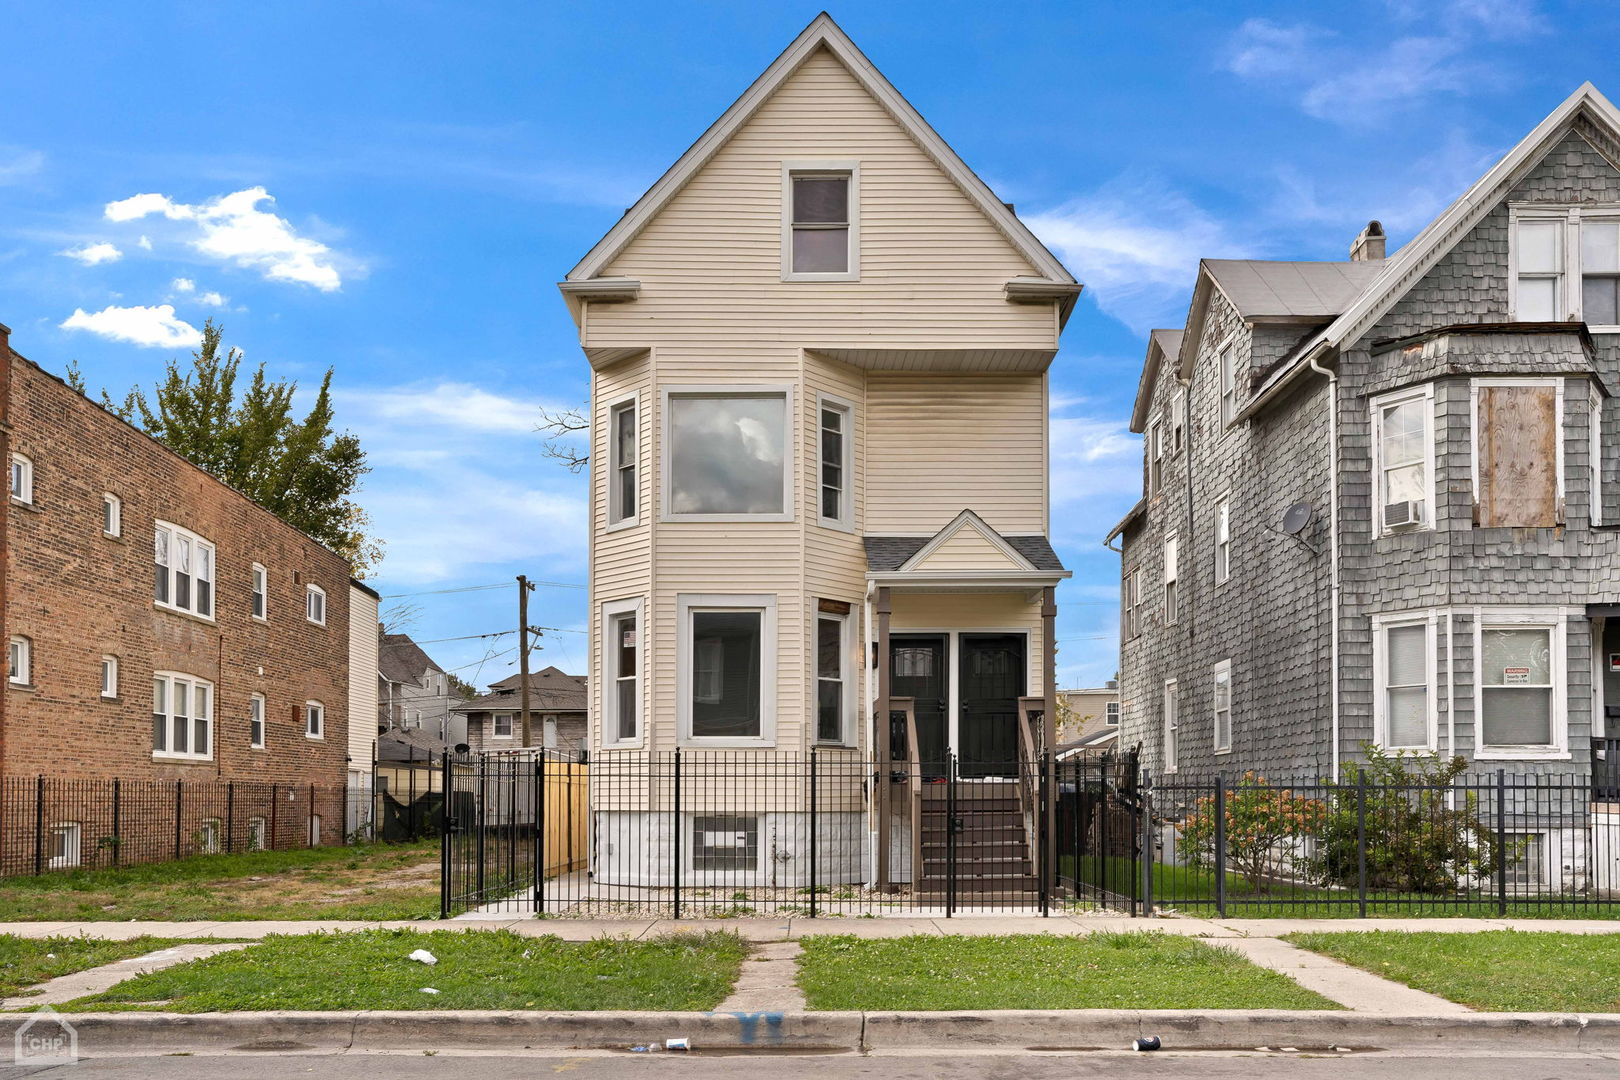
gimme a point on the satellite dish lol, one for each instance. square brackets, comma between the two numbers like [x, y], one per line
[1296, 517]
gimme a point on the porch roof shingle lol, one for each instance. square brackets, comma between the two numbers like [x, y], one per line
[885, 554]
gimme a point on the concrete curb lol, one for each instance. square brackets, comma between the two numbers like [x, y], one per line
[106, 1034]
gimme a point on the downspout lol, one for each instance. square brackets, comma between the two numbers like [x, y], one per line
[1333, 549]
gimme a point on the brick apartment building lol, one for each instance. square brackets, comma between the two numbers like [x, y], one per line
[165, 631]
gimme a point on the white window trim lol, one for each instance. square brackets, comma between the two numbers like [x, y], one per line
[1178, 419]
[610, 684]
[25, 490]
[1111, 709]
[1569, 276]
[193, 682]
[315, 590]
[846, 676]
[23, 674]
[176, 532]
[259, 585]
[685, 605]
[109, 676]
[1556, 620]
[1377, 405]
[1557, 385]
[263, 711]
[113, 502]
[494, 726]
[632, 401]
[1226, 408]
[262, 828]
[1155, 456]
[1594, 454]
[1170, 574]
[822, 165]
[789, 444]
[1224, 667]
[73, 851]
[320, 717]
[846, 520]
[1381, 624]
[1171, 733]
[1223, 516]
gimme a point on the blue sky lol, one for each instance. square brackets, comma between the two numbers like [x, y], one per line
[393, 189]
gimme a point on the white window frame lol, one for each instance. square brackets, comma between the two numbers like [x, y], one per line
[611, 688]
[1516, 618]
[1557, 385]
[1223, 539]
[208, 837]
[310, 593]
[314, 720]
[1424, 393]
[258, 834]
[495, 725]
[846, 495]
[825, 166]
[1111, 714]
[846, 677]
[1570, 291]
[1171, 575]
[1178, 419]
[1131, 624]
[192, 682]
[112, 515]
[20, 660]
[1155, 455]
[72, 845]
[1226, 377]
[259, 589]
[686, 604]
[20, 479]
[617, 467]
[1381, 625]
[176, 533]
[707, 877]
[1594, 454]
[1171, 717]
[109, 676]
[1219, 745]
[256, 719]
[789, 444]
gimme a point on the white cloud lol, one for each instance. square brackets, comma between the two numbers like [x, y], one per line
[144, 243]
[1135, 244]
[233, 229]
[212, 299]
[24, 164]
[153, 327]
[452, 404]
[185, 285]
[94, 254]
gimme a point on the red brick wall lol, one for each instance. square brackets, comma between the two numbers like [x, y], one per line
[81, 595]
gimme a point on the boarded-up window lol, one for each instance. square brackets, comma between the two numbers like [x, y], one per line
[1517, 433]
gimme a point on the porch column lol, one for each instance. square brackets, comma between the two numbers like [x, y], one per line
[880, 738]
[1049, 729]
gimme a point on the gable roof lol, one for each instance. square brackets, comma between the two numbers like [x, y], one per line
[822, 33]
[897, 554]
[402, 660]
[1161, 343]
[1418, 257]
[550, 690]
[1258, 288]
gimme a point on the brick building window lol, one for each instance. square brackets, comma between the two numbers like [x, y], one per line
[261, 593]
[109, 676]
[314, 720]
[315, 605]
[257, 834]
[112, 515]
[63, 845]
[256, 722]
[22, 479]
[182, 716]
[184, 571]
[20, 661]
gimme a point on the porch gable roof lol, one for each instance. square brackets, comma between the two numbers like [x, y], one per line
[901, 557]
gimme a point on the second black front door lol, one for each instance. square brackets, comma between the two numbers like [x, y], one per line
[990, 680]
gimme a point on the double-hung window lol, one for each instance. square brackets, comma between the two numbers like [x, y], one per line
[1538, 255]
[1566, 265]
[109, 676]
[112, 515]
[22, 479]
[821, 221]
[1222, 679]
[256, 722]
[502, 726]
[1226, 360]
[1111, 714]
[621, 664]
[1132, 603]
[1172, 726]
[728, 455]
[1404, 674]
[314, 720]
[183, 565]
[315, 605]
[20, 660]
[834, 439]
[834, 685]
[182, 716]
[1223, 540]
[1403, 460]
[1155, 452]
[1521, 685]
[1172, 595]
[1178, 420]
[726, 656]
[623, 491]
[261, 592]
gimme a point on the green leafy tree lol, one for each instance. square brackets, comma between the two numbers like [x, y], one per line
[300, 470]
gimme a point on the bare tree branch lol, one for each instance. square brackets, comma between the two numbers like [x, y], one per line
[559, 445]
[400, 617]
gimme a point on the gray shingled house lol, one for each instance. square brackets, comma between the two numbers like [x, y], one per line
[1381, 495]
[558, 704]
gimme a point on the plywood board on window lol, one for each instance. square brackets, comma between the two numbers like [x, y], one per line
[1518, 454]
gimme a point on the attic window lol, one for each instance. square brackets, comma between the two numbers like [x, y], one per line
[820, 222]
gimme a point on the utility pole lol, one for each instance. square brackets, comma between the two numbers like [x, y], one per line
[523, 655]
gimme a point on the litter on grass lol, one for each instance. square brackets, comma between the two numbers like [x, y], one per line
[424, 957]
[429, 990]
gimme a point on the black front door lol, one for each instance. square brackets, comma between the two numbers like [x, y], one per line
[917, 670]
[990, 682]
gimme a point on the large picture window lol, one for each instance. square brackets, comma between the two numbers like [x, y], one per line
[727, 653]
[183, 565]
[728, 455]
[621, 665]
[182, 716]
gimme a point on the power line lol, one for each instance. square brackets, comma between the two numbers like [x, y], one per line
[480, 588]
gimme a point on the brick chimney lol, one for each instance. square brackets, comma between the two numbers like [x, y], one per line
[1368, 246]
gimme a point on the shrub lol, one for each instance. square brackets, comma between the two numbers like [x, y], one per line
[1262, 821]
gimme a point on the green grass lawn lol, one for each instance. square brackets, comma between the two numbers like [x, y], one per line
[1495, 970]
[1102, 970]
[376, 881]
[25, 962]
[477, 969]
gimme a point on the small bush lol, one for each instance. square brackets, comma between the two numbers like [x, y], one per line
[1262, 825]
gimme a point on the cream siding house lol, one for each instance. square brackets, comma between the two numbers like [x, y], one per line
[819, 437]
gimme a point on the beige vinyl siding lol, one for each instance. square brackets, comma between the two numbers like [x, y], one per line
[932, 266]
[941, 444]
[362, 678]
[968, 549]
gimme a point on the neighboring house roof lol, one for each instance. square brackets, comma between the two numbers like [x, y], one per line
[408, 744]
[1258, 288]
[1125, 522]
[822, 33]
[550, 690]
[1161, 343]
[402, 660]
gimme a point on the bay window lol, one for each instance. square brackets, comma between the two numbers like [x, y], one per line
[728, 455]
[1521, 687]
[623, 491]
[1403, 460]
[727, 667]
[621, 664]
[182, 716]
[1404, 709]
[834, 445]
[834, 685]
[183, 571]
